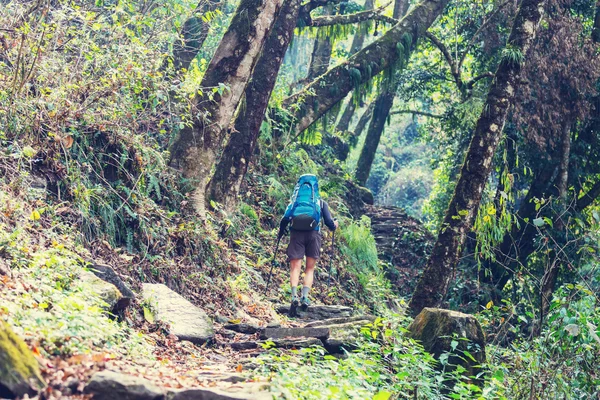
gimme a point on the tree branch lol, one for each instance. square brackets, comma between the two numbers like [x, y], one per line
[353, 18]
[416, 112]
[451, 62]
[474, 80]
[587, 199]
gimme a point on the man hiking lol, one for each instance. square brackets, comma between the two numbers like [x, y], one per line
[303, 215]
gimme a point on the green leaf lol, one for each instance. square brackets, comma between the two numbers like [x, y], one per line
[382, 395]
[148, 316]
[539, 222]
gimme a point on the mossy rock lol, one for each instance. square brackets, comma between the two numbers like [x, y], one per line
[451, 332]
[19, 370]
[108, 292]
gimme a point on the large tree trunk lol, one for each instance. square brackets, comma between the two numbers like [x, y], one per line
[434, 282]
[195, 148]
[357, 44]
[317, 98]
[193, 35]
[233, 164]
[362, 124]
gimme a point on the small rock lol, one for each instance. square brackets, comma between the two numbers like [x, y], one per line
[106, 291]
[221, 319]
[19, 370]
[273, 325]
[227, 333]
[109, 385]
[107, 274]
[248, 329]
[5, 269]
[186, 321]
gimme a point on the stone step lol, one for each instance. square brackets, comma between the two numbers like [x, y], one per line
[334, 321]
[293, 343]
[317, 312]
[279, 333]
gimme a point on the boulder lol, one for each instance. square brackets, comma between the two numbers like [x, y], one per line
[440, 330]
[109, 385]
[19, 370]
[318, 312]
[106, 291]
[107, 274]
[186, 321]
[344, 336]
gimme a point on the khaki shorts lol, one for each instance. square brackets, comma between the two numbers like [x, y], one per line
[304, 243]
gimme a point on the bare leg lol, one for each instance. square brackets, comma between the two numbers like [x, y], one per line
[295, 267]
[309, 274]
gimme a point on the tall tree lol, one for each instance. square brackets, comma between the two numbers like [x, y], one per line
[193, 34]
[383, 105]
[357, 44]
[308, 105]
[321, 54]
[462, 210]
[195, 148]
[233, 164]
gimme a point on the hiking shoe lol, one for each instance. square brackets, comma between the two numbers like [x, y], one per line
[294, 306]
[304, 303]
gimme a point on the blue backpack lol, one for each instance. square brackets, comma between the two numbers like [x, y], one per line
[304, 210]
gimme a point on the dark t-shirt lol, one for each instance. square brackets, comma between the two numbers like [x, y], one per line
[325, 213]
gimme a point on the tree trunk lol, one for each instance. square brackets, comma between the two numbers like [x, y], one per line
[193, 35]
[361, 125]
[383, 104]
[596, 28]
[195, 148]
[318, 97]
[357, 44]
[551, 275]
[233, 164]
[321, 55]
[434, 282]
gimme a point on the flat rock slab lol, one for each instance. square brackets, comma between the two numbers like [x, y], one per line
[186, 321]
[279, 333]
[109, 385]
[318, 312]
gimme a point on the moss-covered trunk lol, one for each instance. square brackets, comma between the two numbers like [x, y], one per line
[195, 148]
[317, 98]
[193, 34]
[462, 210]
[233, 164]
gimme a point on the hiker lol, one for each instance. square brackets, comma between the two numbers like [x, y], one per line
[303, 215]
